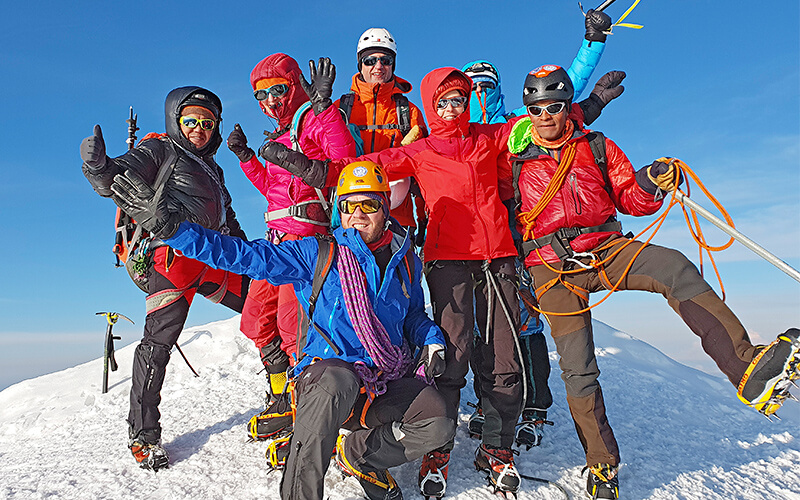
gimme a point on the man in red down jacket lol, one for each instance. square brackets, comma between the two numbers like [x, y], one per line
[272, 314]
[578, 226]
[469, 255]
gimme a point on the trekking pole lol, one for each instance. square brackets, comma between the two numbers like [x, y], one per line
[185, 359]
[738, 236]
[108, 351]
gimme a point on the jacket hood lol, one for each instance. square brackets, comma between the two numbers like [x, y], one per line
[494, 101]
[182, 97]
[428, 91]
[281, 66]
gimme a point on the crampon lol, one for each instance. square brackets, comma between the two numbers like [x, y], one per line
[502, 474]
[149, 456]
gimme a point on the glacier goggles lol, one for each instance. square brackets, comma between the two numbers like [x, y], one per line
[368, 206]
[278, 90]
[456, 102]
[484, 85]
[204, 123]
[552, 109]
[373, 60]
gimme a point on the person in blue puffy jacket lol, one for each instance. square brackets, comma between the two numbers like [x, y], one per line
[356, 369]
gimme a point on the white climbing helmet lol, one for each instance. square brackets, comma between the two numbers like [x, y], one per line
[376, 38]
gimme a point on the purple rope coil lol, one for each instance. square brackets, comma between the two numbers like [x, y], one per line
[391, 361]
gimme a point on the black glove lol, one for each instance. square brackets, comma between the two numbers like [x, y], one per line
[237, 142]
[93, 150]
[596, 24]
[431, 362]
[313, 172]
[321, 87]
[137, 199]
[607, 89]
[662, 175]
[419, 238]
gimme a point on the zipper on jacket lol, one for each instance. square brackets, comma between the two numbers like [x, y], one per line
[573, 180]
[374, 115]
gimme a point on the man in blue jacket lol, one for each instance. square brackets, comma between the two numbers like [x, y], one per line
[356, 370]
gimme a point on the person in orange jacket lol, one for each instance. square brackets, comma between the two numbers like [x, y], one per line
[377, 105]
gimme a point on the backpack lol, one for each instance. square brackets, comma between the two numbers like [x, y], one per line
[402, 108]
[325, 258]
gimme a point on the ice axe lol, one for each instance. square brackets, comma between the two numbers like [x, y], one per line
[738, 236]
[108, 351]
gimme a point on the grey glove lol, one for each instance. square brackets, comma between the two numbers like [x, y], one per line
[661, 175]
[596, 23]
[313, 172]
[607, 89]
[321, 87]
[431, 362]
[137, 199]
[237, 142]
[93, 150]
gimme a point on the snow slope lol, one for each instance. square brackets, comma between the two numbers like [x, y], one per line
[683, 434]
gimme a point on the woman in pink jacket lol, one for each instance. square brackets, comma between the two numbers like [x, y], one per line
[271, 314]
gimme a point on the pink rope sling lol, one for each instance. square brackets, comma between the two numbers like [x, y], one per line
[391, 361]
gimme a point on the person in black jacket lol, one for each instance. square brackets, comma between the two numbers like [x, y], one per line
[181, 162]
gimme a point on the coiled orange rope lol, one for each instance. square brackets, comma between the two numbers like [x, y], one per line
[692, 223]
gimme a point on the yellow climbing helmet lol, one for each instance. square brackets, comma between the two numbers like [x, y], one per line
[362, 176]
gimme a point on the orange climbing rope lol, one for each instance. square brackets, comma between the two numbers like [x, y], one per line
[692, 223]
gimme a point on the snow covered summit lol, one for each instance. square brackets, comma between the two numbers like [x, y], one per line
[682, 433]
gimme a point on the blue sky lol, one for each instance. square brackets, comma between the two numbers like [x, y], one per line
[715, 84]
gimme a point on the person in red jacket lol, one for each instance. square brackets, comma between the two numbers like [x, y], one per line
[377, 105]
[295, 210]
[469, 255]
[568, 220]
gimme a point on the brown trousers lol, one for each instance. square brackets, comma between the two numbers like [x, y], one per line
[657, 270]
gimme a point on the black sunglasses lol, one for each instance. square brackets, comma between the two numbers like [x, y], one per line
[373, 60]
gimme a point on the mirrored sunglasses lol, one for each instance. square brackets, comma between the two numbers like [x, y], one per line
[373, 60]
[456, 102]
[204, 123]
[277, 90]
[368, 206]
[552, 109]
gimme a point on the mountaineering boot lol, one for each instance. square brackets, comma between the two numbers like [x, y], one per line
[603, 482]
[530, 430]
[499, 463]
[433, 474]
[149, 456]
[377, 484]
[475, 424]
[765, 384]
[277, 419]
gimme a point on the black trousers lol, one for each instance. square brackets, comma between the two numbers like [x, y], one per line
[173, 281]
[461, 298]
[398, 426]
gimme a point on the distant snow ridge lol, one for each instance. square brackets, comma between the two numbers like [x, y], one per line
[683, 434]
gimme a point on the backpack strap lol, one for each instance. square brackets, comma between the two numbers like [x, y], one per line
[346, 104]
[597, 142]
[325, 259]
[403, 113]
